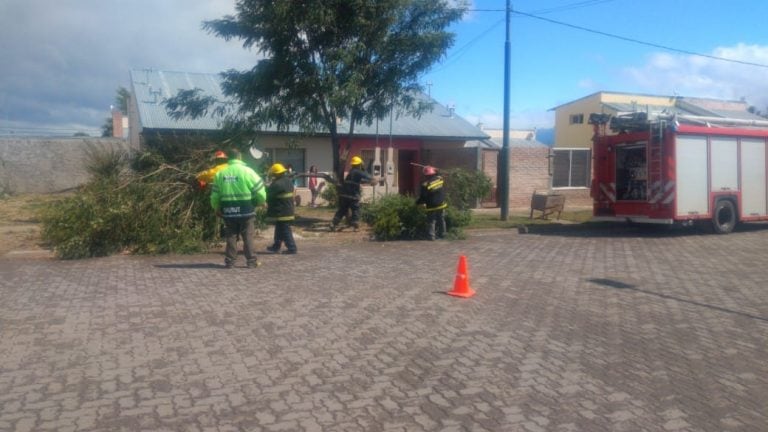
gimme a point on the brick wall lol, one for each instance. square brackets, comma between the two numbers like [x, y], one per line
[528, 172]
[47, 165]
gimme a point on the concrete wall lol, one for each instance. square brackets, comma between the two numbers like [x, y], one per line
[47, 165]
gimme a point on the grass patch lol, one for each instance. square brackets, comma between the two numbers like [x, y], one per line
[491, 219]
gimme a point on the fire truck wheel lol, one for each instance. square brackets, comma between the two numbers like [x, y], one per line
[724, 217]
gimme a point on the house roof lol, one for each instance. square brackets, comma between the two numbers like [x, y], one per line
[152, 87]
[682, 105]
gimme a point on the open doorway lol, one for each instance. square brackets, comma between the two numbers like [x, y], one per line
[407, 174]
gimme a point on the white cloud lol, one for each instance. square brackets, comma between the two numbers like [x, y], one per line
[697, 76]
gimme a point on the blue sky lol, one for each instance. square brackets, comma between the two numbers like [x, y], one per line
[552, 64]
[63, 60]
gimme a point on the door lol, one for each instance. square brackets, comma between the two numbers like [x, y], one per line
[407, 174]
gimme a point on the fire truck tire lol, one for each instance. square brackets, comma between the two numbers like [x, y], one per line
[724, 217]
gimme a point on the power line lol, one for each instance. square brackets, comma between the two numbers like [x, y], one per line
[610, 35]
[572, 6]
[637, 41]
[460, 51]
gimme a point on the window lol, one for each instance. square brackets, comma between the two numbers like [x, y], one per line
[577, 119]
[293, 157]
[571, 168]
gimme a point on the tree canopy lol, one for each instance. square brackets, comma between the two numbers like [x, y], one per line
[326, 61]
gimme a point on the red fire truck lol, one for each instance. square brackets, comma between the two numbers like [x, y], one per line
[669, 169]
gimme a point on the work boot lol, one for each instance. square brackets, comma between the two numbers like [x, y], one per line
[273, 249]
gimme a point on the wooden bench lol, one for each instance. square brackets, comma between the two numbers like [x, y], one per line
[547, 204]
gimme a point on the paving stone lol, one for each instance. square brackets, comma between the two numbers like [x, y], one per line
[570, 330]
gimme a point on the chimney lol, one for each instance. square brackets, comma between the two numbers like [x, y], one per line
[117, 123]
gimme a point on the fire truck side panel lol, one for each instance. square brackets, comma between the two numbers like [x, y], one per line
[754, 202]
[691, 176]
[724, 162]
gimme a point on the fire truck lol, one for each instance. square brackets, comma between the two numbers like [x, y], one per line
[673, 168]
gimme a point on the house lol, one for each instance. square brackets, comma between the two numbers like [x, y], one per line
[572, 167]
[435, 136]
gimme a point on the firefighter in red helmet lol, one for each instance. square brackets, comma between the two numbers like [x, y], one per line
[432, 196]
[204, 178]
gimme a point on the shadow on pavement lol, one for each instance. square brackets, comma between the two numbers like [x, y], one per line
[618, 229]
[612, 283]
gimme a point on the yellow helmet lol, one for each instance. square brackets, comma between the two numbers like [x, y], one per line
[277, 169]
[356, 160]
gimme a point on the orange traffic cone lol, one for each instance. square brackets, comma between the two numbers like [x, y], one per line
[461, 283]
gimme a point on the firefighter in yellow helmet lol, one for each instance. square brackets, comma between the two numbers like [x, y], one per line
[350, 192]
[280, 209]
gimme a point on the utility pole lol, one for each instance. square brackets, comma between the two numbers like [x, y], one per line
[504, 172]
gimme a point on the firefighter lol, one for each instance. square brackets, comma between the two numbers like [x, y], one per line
[236, 192]
[349, 194]
[432, 196]
[204, 178]
[280, 208]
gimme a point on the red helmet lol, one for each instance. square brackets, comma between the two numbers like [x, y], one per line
[429, 170]
[219, 155]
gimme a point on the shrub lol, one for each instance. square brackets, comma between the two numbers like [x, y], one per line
[464, 188]
[329, 194]
[105, 163]
[395, 217]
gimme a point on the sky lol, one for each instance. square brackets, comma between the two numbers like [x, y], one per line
[62, 61]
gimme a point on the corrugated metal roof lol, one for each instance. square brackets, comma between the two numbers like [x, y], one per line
[650, 109]
[152, 87]
[694, 107]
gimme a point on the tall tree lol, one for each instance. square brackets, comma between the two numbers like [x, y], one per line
[327, 61]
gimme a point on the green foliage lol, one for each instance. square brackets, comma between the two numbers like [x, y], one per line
[153, 208]
[464, 187]
[101, 162]
[142, 216]
[398, 217]
[395, 217]
[456, 219]
[329, 194]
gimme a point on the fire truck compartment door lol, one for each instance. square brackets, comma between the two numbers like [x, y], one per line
[691, 175]
[725, 166]
[753, 188]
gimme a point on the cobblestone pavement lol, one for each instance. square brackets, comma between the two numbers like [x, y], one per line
[570, 330]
